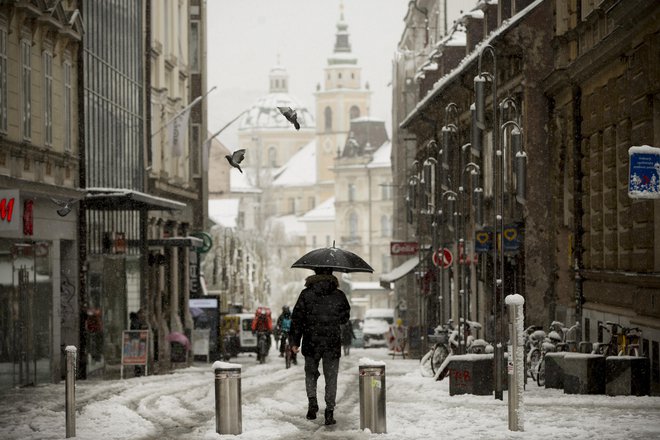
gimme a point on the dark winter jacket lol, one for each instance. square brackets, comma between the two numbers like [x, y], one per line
[317, 316]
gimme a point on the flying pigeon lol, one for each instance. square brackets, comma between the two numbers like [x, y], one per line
[65, 206]
[236, 158]
[290, 115]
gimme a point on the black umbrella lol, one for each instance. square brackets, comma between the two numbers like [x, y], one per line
[338, 260]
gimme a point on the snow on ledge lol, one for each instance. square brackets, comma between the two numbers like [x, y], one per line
[514, 299]
[71, 349]
[219, 365]
[366, 362]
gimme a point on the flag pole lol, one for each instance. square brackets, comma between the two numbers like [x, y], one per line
[206, 145]
[185, 109]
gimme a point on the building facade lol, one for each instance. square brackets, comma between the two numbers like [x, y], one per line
[39, 199]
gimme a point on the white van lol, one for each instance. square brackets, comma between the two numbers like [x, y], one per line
[376, 327]
[241, 324]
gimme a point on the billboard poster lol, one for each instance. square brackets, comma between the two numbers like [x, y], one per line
[644, 172]
[134, 347]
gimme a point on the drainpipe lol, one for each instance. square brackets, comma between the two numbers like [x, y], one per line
[578, 209]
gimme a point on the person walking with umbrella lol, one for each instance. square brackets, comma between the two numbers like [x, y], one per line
[316, 322]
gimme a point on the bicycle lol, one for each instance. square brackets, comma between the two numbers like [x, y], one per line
[624, 341]
[289, 355]
[262, 346]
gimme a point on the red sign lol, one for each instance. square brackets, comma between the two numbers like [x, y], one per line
[447, 258]
[9, 200]
[404, 248]
[28, 217]
[134, 350]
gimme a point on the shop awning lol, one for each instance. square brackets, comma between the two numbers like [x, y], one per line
[398, 272]
[118, 199]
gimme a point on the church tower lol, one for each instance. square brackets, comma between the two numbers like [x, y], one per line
[341, 99]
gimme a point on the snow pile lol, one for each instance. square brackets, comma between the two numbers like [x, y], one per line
[219, 365]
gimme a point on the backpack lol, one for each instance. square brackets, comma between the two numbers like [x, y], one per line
[286, 325]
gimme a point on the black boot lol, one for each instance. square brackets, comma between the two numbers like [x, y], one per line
[329, 419]
[312, 409]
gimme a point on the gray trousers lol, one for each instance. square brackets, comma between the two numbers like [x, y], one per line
[330, 372]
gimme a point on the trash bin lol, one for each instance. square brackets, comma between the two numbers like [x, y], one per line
[228, 414]
[372, 397]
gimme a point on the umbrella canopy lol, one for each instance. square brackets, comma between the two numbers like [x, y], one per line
[180, 338]
[338, 260]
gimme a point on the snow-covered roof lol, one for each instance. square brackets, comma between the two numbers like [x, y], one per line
[300, 169]
[382, 157]
[224, 211]
[243, 182]
[264, 113]
[291, 224]
[470, 58]
[323, 212]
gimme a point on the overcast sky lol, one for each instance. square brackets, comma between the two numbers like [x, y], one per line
[246, 36]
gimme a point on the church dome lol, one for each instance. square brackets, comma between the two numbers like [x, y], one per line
[264, 112]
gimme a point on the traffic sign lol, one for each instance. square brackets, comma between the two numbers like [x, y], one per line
[446, 259]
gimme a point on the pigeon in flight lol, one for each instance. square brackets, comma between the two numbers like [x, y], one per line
[65, 206]
[290, 115]
[236, 158]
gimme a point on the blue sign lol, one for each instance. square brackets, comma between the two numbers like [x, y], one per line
[483, 240]
[644, 175]
[512, 238]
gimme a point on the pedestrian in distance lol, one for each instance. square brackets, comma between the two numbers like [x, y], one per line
[347, 336]
[317, 317]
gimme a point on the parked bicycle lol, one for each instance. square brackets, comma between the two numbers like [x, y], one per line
[556, 341]
[533, 337]
[446, 341]
[624, 341]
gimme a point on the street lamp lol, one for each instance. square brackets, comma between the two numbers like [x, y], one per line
[499, 161]
[465, 292]
[451, 196]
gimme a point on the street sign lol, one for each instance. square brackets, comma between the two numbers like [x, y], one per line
[446, 261]
[483, 240]
[644, 174]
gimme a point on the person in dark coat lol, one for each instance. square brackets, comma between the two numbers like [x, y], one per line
[316, 319]
[347, 336]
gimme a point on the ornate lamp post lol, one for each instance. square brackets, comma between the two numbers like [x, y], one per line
[498, 191]
[451, 196]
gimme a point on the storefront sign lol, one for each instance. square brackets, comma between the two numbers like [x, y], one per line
[134, 350]
[9, 204]
[404, 248]
[28, 217]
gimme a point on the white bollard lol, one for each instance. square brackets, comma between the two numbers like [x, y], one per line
[228, 413]
[516, 362]
[70, 386]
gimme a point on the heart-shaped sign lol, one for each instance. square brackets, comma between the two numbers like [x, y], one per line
[510, 234]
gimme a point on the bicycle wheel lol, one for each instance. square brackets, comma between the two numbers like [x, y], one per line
[533, 361]
[261, 350]
[440, 353]
[540, 377]
[425, 364]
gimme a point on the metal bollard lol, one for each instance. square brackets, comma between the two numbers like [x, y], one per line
[70, 386]
[372, 397]
[516, 361]
[228, 416]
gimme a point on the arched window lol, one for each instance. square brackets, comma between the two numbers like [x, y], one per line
[351, 192]
[352, 225]
[272, 157]
[354, 112]
[328, 119]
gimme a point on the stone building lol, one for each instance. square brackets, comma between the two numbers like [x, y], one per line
[39, 196]
[585, 90]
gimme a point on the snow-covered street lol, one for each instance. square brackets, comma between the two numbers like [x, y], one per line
[181, 405]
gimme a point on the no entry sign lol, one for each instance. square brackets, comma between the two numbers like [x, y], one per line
[447, 258]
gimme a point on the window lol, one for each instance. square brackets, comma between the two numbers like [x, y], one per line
[351, 192]
[311, 202]
[385, 263]
[385, 226]
[328, 119]
[26, 89]
[327, 241]
[314, 241]
[352, 225]
[3, 80]
[386, 191]
[194, 47]
[292, 205]
[48, 98]
[67, 106]
[272, 157]
[354, 112]
[339, 75]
